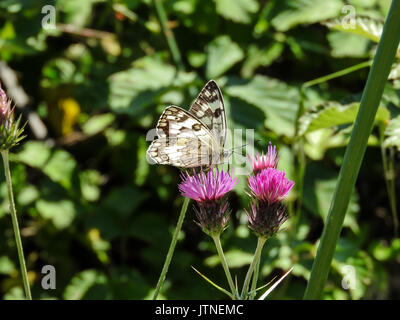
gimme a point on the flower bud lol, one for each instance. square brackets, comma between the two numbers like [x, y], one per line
[10, 131]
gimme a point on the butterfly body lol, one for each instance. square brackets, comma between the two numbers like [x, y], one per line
[192, 138]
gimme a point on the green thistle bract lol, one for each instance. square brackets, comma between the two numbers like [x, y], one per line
[10, 130]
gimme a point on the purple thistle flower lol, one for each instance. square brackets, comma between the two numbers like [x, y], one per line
[268, 213]
[208, 189]
[5, 109]
[270, 185]
[264, 161]
[212, 185]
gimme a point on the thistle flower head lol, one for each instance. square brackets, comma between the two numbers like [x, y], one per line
[208, 190]
[10, 132]
[202, 186]
[268, 188]
[264, 161]
[270, 185]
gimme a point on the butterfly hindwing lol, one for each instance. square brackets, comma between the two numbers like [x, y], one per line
[210, 110]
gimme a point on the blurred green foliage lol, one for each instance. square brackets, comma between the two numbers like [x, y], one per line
[91, 205]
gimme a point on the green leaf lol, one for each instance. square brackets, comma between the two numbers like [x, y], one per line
[123, 201]
[132, 90]
[88, 284]
[237, 10]
[347, 45]
[76, 12]
[212, 283]
[392, 133]
[58, 165]
[222, 54]
[6, 265]
[276, 99]
[287, 14]
[236, 259]
[33, 153]
[89, 182]
[61, 213]
[333, 114]
[364, 26]
[319, 185]
[98, 123]
[27, 195]
[261, 57]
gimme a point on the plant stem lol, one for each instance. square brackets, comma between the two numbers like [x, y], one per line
[337, 74]
[392, 193]
[171, 248]
[14, 218]
[217, 241]
[355, 150]
[169, 35]
[256, 258]
[388, 175]
[255, 279]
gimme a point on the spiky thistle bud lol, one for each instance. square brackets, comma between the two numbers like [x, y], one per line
[10, 131]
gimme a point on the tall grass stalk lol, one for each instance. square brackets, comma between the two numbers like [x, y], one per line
[14, 219]
[354, 154]
[171, 249]
[169, 35]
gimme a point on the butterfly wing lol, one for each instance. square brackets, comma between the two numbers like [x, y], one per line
[209, 108]
[184, 141]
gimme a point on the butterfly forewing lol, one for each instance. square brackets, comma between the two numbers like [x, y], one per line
[209, 109]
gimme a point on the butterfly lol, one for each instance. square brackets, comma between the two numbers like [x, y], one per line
[192, 138]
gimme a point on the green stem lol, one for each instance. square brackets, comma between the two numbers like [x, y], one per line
[169, 35]
[171, 248]
[256, 258]
[255, 279]
[392, 193]
[355, 151]
[337, 74]
[217, 241]
[388, 175]
[14, 218]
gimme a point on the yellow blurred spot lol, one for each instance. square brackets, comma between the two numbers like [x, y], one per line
[32, 276]
[111, 45]
[94, 235]
[70, 110]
